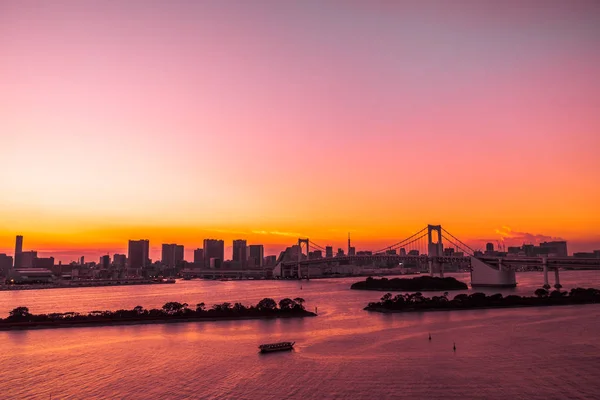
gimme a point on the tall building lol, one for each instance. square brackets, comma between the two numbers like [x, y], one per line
[104, 261]
[240, 254]
[328, 252]
[199, 257]
[6, 264]
[172, 254]
[28, 259]
[119, 261]
[18, 251]
[270, 261]
[489, 248]
[138, 253]
[82, 260]
[213, 249]
[257, 254]
[556, 248]
[351, 251]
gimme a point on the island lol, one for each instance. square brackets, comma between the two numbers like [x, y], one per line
[267, 308]
[422, 283]
[417, 302]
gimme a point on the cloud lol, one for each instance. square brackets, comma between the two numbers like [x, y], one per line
[278, 233]
[510, 237]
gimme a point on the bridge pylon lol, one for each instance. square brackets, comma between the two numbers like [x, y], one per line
[435, 249]
[306, 242]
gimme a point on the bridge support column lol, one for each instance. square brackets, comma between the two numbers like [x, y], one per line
[556, 279]
[430, 267]
[545, 267]
[441, 270]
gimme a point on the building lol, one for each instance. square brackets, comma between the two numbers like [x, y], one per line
[27, 259]
[215, 263]
[489, 248]
[138, 254]
[104, 262]
[172, 254]
[390, 252]
[44, 262]
[340, 252]
[18, 251]
[316, 254]
[119, 261]
[6, 264]
[329, 252]
[199, 257]
[30, 275]
[556, 248]
[351, 251]
[240, 254]
[256, 252]
[213, 249]
[270, 261]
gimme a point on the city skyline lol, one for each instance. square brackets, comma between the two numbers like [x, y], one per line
[507, 239]
[273, 120]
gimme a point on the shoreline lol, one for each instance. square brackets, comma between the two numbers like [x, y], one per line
[16, 288]
[14, 326]
[414, 310]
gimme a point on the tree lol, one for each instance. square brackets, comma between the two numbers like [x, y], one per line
[138, 310]
[239, 307]
[386, 297]
[172, 307]
[286, 304]
[200, 307]
[19, 313]
[541, 293]
[299, 303]
[266, 304]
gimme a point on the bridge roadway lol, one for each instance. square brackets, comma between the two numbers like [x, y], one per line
[497, 262]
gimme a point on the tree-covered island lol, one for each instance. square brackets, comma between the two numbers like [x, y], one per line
[422, 283]
[21, 318]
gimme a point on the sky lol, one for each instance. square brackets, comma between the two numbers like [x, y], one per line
[269, 120]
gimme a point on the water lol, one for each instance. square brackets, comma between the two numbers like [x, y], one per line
[344, 353]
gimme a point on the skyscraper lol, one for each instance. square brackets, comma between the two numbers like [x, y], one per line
[257, 253]
[199, 258]
[119, 261]
[172, 254]
[239, 252]
[138, 253]
[213, 248]
[105, 261]
[28, 259]
[328, 251]
[18, 251]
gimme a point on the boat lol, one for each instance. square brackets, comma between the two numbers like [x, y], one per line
[281, 346]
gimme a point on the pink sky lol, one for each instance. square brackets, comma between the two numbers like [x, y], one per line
[174, 120]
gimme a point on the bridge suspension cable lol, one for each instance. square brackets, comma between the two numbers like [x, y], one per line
[459, 241]
[404, 244]
[313, 244]
[401, 243]
[469, 252]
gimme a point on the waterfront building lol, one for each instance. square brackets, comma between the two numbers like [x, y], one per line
[104, 261]
[270, 261]
[328, 252]
[257, 254]
[44, 262]
[340, 253]
[240, 255]
[172, 254]
[213, 249]
[489, 248]
[138, 254]
[555, 248]
[28, 259]
[18, 251]
[6, 264]
[119, 261]
[199, 258]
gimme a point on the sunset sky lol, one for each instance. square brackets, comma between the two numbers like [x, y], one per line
[268, 120]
